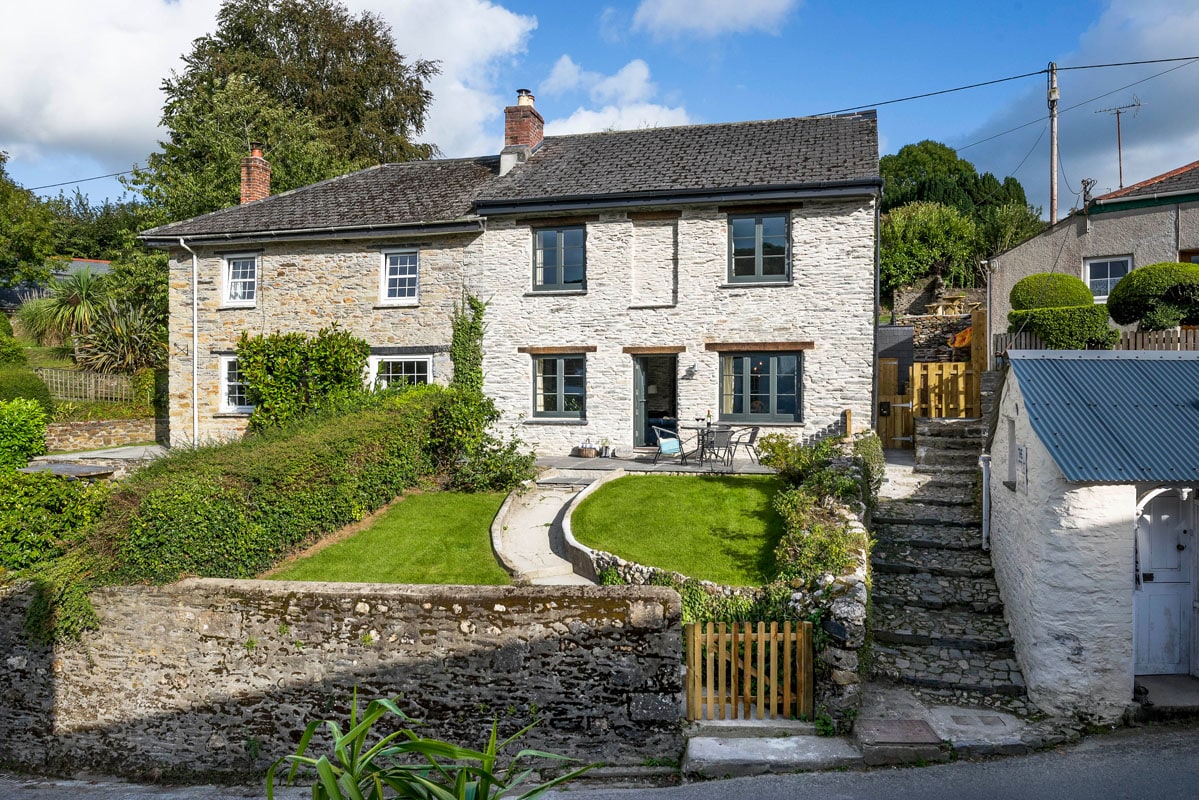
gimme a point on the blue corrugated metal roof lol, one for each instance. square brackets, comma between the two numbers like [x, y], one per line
[1118, 416]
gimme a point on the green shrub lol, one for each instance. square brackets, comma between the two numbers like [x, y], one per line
[40, 514]
[22, 432]
[1050, 290]
[1077, 328]
[1158, 296]
[11, 352]
[5, 325]
[290, 374]
[815, 541]
[794, 461]
[16, 382]
[869, 452]
[466, 346]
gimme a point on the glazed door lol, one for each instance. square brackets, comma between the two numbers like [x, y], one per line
[1163, 602]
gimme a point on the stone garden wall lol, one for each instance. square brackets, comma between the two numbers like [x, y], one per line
[930, 337]
[96, 434]
[219, 678]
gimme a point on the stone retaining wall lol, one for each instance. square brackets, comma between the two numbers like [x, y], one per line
[97, 434]
[219, 678]
[930, 337]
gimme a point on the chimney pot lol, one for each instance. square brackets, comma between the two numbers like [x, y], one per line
[524, 97]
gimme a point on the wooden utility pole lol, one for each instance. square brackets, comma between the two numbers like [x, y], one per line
[1053, 95]
[1118, 110]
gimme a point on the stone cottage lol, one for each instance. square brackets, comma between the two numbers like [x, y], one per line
[1149, 222]
[1094, 464]
[633, 278]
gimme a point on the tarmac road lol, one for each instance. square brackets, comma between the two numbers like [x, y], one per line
[1137, 764]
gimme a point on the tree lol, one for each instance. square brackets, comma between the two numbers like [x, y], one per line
[315, 56]
[107, 231]
[1000, 228]
[198, 169]
[922, 166]
[921, 239]
[26, 237]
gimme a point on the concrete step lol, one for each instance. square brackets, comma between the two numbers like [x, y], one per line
[964, 630]
[946, 537]
[898, 558]
[718, 757]
[923, 590]
[899, 741]
[949, 668]
[750, 728]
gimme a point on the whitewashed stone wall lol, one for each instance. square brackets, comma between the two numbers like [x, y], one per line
[628, 303]
[1063, 556]
[303, 287]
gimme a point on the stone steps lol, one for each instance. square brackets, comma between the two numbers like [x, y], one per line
[948, 469]
[909, 512]
[897, 558]
[947, 537]
[964, 630]
[941, 457]
[923, 590]
[949, 668]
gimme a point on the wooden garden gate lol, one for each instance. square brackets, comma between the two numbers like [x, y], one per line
[743, 670]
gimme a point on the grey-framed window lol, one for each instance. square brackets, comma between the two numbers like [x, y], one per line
[758, 248]
[388, 371]
[560, 386]
[761, 387]
[234, 389]
[399, 278]
[560, 258]
[241, 279]
[1102, 274]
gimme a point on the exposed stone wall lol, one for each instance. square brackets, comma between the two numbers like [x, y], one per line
[830, 302]
[1063, 556]
[304, 287]
[221, 677]
[93, 435]
[930, 337]
[914, 300]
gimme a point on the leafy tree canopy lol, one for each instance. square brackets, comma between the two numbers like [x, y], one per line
[107, 231]
[26, 232]
[198, 169]
[315, 56]
[922, 239]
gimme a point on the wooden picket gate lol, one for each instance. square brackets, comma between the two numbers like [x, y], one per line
[740, 670]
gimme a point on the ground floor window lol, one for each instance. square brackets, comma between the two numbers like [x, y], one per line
[761, 387]
[388, 371]
[560, 386]
[234, 390]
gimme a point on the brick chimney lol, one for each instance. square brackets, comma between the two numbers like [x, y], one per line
[524, 128]
[255, 175]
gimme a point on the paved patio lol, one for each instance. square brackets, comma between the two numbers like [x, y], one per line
[642, 460]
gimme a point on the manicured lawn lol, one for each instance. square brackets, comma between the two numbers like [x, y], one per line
[439, 537]
[717, 528]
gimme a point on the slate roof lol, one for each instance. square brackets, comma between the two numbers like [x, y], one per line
[1114, 416]
[741, 157]
[1183, 179]
[809, 151]
[411, 193]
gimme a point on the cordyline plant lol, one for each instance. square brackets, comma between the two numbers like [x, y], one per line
[406, 765]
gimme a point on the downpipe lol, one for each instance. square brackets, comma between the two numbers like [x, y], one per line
[984, 463]
[195, 344]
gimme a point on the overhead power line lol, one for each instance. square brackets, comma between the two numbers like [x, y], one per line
[81, 180]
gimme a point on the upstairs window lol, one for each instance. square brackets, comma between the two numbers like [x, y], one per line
[398, 281]
[758, 248]
[1102, 274]
[559, 259]
[241, 280]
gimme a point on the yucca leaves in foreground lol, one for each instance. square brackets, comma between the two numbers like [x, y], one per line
[406, 765]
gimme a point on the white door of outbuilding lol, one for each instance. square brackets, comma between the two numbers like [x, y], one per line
[1164, 599]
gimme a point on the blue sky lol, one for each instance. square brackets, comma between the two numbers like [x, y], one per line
[635, 63]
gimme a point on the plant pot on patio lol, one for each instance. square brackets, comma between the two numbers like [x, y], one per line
[587, 452]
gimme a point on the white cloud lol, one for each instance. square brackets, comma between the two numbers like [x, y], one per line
[666, 19]
[619, 101]
[618, 118]
[566, 76]
[1163, 135]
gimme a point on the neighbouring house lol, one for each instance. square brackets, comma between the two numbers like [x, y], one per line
[1147, 223]
[12, 297]
[633, 278]
[1094, 466]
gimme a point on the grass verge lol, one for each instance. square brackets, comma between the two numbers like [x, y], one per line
[442, 537]
[717, 528]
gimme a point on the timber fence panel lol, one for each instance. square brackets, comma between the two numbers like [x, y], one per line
[746, 670]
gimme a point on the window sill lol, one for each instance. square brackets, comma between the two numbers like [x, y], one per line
[755, 284]
[555, 292]
[232, 414]
[1011, 485]
[743, 423]
[553, 421]
[398, 304]
[652, 305]
[236, 306]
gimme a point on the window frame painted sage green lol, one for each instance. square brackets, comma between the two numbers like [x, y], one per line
[729, 391]
[559, 394]
[758, 275]
[539, 266]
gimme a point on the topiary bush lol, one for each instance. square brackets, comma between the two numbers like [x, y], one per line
[22, 432]
[11, 352]
[1050, 290]
[1076, 328]
[17, 382]
[1158, 296]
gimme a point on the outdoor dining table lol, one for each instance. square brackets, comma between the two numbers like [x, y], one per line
[703, 432]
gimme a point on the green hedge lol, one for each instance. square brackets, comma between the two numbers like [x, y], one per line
[5, 325]
[234, 510]
[1077, 328]
[1158, 296]
[22, 432]
[40, 514]
[17, 382]
[1050, 290]
[11, 352]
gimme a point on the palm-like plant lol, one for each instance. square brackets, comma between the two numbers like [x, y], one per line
[68, 310]
[405, 765]
[122, 338]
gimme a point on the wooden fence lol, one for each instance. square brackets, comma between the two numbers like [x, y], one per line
[67, 384]
[1131, 340]
[743, 669]
[944, 389]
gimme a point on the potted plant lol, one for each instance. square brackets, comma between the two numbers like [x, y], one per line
[587, 449]
[604, 450]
